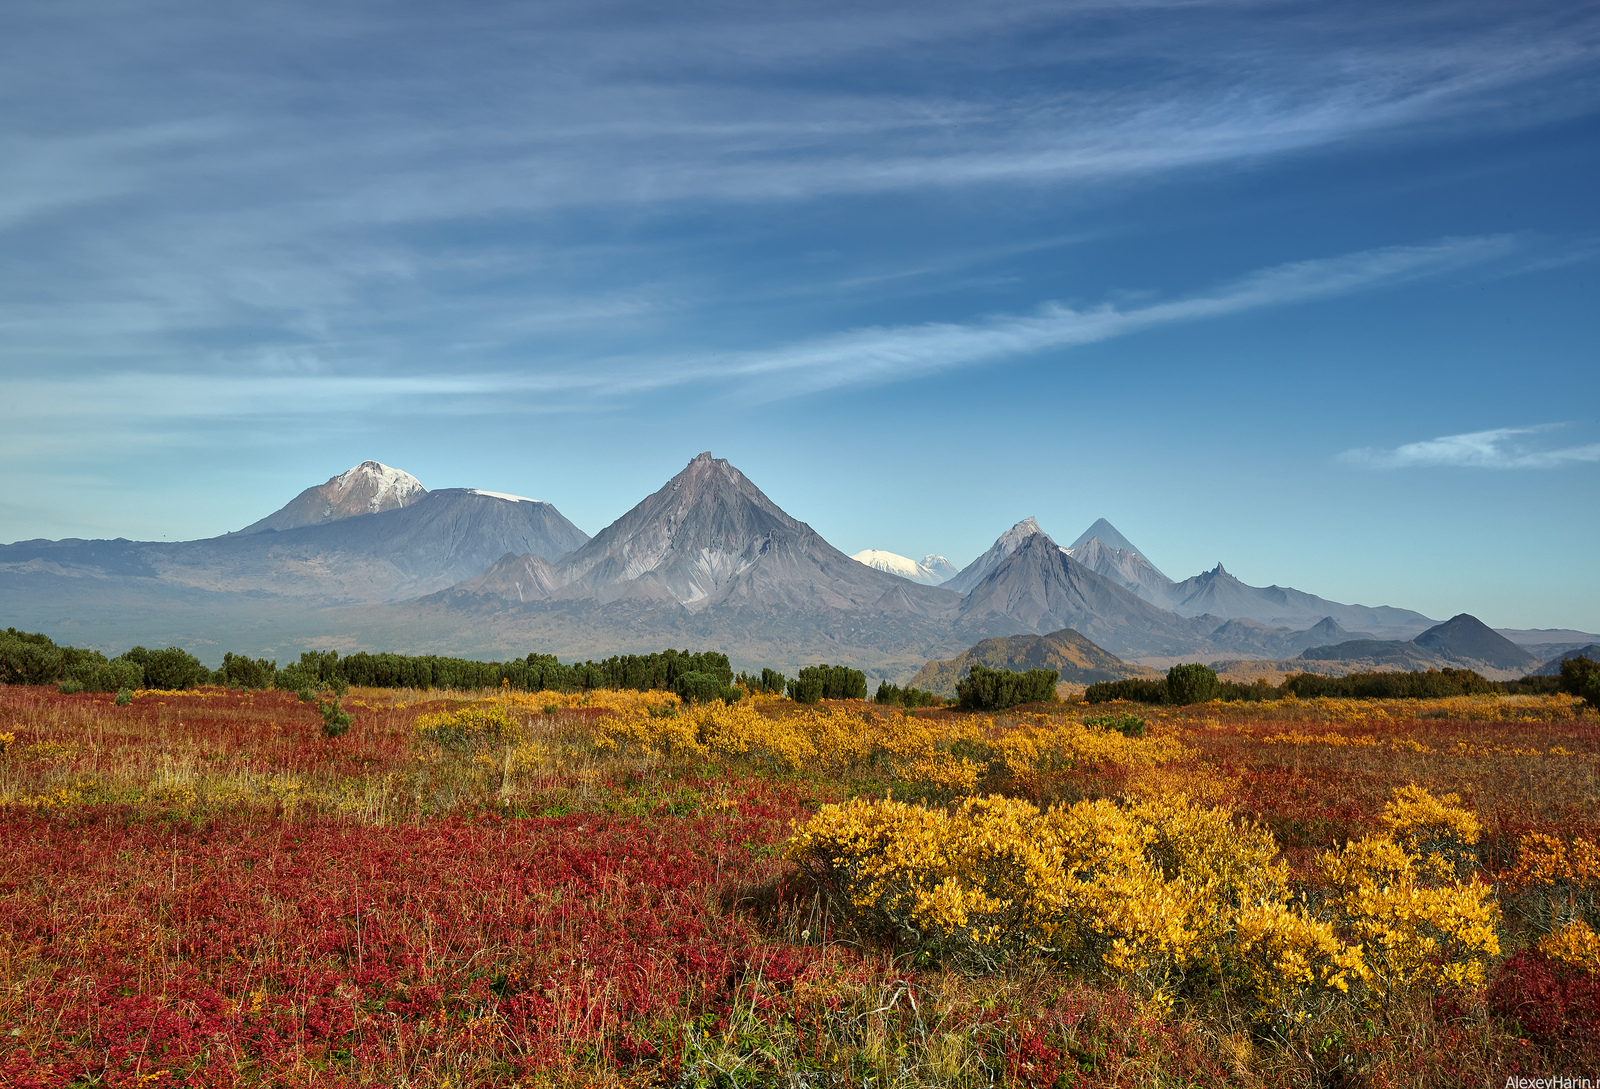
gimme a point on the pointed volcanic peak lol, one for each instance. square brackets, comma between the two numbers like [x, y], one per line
[1039, 588]
[1106, 533]
[895, 564]
[1471, 642]
[940, 566]
[980, 568]
[369, 488]
[711, 537]
[1127, 568]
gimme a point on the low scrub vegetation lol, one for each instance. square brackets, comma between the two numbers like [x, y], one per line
[621, 887]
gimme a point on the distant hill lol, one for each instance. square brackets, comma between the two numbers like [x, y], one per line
[1552, 668]
[1467, 639]
[939, 566]
[1462, 642]
[370, 488]
[1255, 638]
[1359, 655]
[707, 560]
[1076, 658]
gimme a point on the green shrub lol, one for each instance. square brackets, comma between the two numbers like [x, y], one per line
[238, 671]
[172, 668]
[704, 688]
[1192, 683]
[768, 680]
[1580, 676]
[806, 689]
[985, 689]
[70, 688]
[827, 682]
[124, 697]
[29, 658]
[335, 722]
[1135, 689]
[1417, 685]
[894, 695]
[1124, 724]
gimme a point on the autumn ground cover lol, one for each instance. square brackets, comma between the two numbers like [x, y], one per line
[540, 889]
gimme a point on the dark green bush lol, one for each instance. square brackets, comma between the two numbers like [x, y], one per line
[238, 671]
[806, 689]
[985, 689]
[1580, 676]
[1419, 685]
[1192, 683]
[827, 682]
[1135, 689]
[1126, 725]
[171, 668]
[335, 722]
[894, 695]
[768, 680]
[704, 688]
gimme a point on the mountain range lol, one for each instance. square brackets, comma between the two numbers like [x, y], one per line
[373, 560]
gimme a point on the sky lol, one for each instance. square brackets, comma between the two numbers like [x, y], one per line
[1307, 289]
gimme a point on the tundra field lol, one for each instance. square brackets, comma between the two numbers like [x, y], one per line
[200, 888]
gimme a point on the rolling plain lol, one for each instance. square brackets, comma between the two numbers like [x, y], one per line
[506, 888]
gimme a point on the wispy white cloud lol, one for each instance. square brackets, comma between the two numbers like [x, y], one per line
[290, 382]
[878, 355]
[1500, 448]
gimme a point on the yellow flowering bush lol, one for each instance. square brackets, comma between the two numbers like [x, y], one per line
[1295, 966]
[1576, 944]
[1142, 892]
[946, 758]
[473, 728]
[1554, 883]
[1437, 830]
[1411, 930]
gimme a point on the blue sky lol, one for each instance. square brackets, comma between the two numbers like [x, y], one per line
[1306, 288]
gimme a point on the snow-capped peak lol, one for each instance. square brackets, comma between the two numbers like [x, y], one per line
[388, 487]
[502, 495]
[896, 564]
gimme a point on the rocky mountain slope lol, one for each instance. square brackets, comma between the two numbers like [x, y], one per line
[979, 569]
[370, 488]
[1039, 588]
[1125, 567]
[436, 540]
[1552, 668]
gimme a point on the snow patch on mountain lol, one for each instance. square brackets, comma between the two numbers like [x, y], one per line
[384, 486]
[904, 566]
[502, 495]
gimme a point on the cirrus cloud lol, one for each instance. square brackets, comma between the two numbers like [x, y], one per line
[1498, 448]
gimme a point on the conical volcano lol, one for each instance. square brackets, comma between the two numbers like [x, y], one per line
[711, 537]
